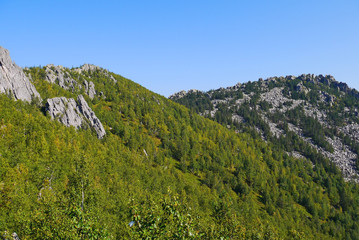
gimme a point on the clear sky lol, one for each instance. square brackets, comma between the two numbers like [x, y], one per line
[173, 45]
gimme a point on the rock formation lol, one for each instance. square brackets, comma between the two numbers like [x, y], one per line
[70, 113]
[58, 75]
[65, 111]
[61, 76]
[13, 80]
[90, 89]
[92, 68]
[87, 112]
[183, 93]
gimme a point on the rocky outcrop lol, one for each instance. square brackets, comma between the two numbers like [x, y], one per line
[65, 111]
[182, 93]
[178, 95]
[72, 113]
[92, 68]
[87, 112]
[13, 80]
[87, 68]
[61, 76]
[90, 89]
[6, 236]
[58, 75]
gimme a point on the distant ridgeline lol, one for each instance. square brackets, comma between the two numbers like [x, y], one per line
[88, 154]
[296, 114]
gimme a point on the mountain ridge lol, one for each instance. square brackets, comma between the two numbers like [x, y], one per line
[315, 94]
[320, 78]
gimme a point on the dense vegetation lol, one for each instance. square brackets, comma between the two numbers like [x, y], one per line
[162, 171]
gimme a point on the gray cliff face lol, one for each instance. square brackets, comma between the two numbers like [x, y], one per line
[65, 111]
[13, 80]
[70, 113]
[87, 112]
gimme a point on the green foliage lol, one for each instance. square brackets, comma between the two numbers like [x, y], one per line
[171, 219]
[61, 183]
[198, 101]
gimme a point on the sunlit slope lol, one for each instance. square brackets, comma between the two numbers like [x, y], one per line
[58, 182]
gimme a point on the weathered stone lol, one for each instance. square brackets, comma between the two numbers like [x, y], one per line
[87, 68]
[325, 80]
[91, 68]
[90, 116]
[90, 89]
[58, 75]
[290, 77]
[15, 236]
[301, 88]
[178, 95]
[6, 236]
[65, 111]
[70, 113]
[13, 80]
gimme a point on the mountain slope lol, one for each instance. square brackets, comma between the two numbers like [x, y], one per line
[316, 110]
[160, 171]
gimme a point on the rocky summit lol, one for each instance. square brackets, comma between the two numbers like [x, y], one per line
[315, 110]
[13, 80]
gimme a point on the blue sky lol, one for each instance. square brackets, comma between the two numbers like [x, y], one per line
[174, 45]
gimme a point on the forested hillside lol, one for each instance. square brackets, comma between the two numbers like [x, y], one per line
[161, 171]
[291, 112]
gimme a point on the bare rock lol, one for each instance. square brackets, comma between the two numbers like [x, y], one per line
[90, 89]
[65, 111]
[92, 68]
[6, 236]
[90, 116]
[70, 113]
[13, 80]
[87, 68]
[301, 88]
[178, 95]
[15, 236]
[58, 75]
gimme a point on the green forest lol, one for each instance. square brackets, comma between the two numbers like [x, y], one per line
[161, 172]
